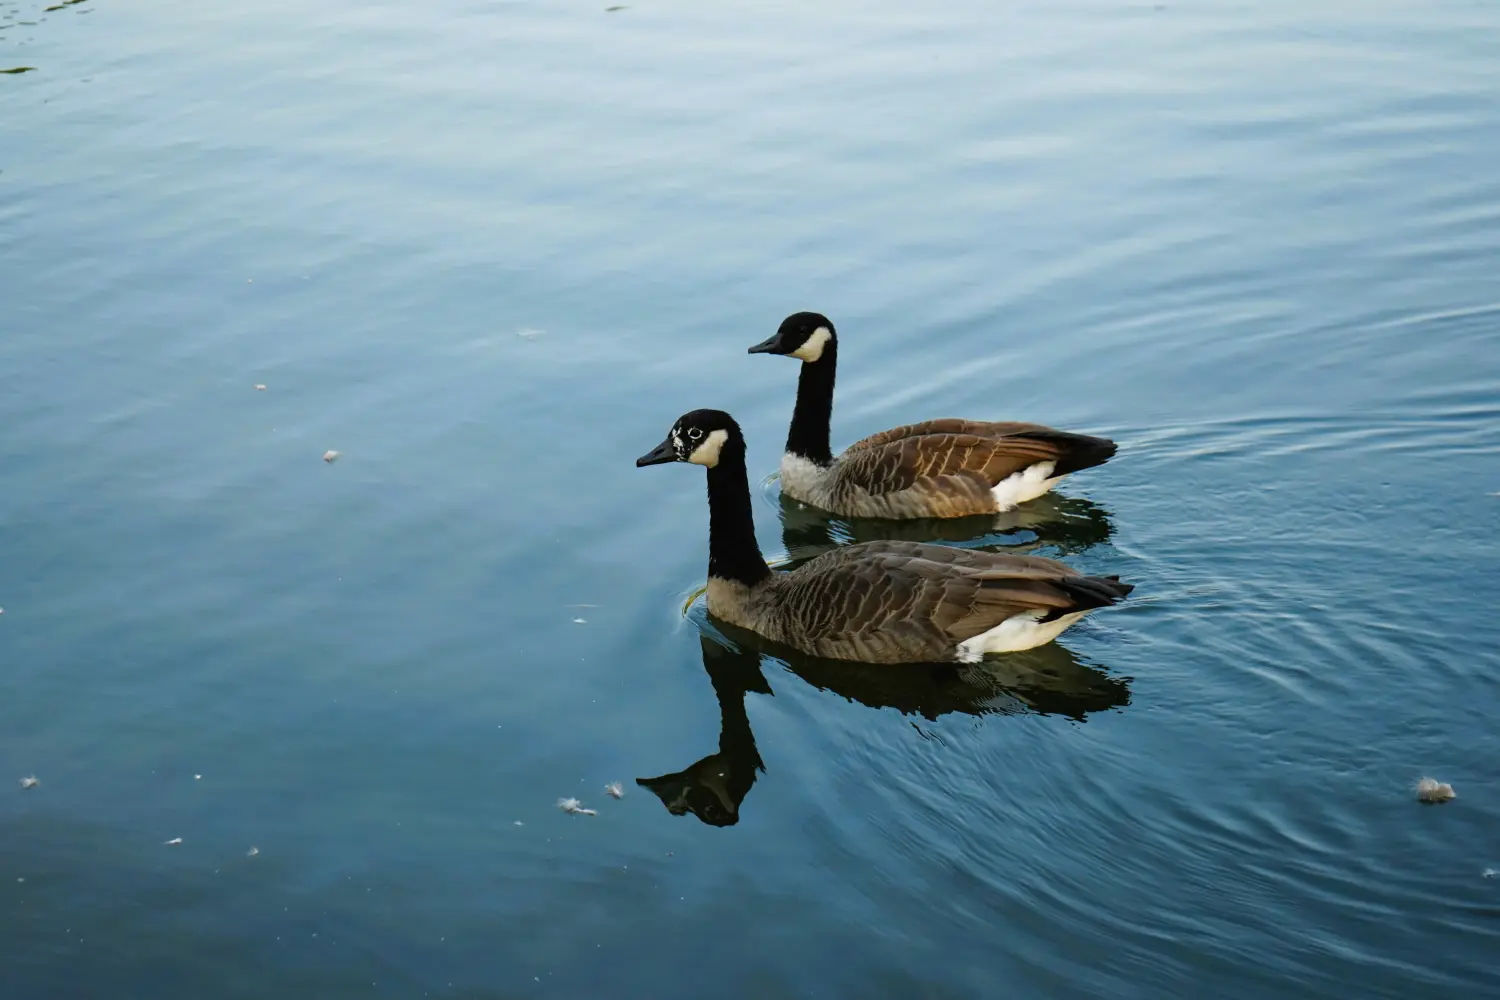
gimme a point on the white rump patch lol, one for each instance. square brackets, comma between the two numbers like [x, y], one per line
[1016, 633]
[707, 453]
[812, 348]
[1028, 484]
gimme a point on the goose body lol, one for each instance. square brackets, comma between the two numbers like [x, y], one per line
[936, 468]
[876, 602]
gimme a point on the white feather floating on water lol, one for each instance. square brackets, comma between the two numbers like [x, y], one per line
[30, 781]
[614, 790]
[330, 456]
[1434, 791]
[575, 808]
[173, 841]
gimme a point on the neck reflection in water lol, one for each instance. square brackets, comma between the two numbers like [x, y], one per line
[713, 788]
[1049, 680]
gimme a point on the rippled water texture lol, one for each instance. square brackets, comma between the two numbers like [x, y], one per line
[490, 251]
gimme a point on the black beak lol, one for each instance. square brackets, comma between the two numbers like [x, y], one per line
[771, 345]
[659, 455]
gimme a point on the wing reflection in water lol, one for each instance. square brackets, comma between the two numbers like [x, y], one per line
[1066, 525]
[1048, 680]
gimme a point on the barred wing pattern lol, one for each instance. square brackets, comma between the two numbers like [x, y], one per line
[947, 468]
[909, 601]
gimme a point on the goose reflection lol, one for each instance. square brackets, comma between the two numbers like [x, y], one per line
[1068, 524]
[1048, 680]
[713, 788]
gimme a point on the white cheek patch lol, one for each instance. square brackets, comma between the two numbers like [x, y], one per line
[812, 350]
[707, 453]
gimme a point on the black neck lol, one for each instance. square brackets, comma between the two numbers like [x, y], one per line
[732, 550]
[808, 436]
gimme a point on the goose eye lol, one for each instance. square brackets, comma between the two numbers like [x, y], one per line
[694, 434]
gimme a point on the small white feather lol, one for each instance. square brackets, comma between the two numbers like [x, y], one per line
[1433, 791]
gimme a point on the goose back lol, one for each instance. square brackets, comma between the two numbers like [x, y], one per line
[905, 602]
[950, 468]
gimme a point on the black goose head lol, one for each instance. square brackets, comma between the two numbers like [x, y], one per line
[804, 336]
[698, 437]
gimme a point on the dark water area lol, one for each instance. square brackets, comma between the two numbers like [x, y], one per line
[488, 252]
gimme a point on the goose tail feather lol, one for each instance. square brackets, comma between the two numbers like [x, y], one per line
[1090, 592]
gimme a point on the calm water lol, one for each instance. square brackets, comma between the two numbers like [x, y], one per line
[489, 251]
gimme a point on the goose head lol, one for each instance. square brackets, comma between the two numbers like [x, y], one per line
[697, 437]
[804, 336]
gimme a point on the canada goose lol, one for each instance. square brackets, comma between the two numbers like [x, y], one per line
[937, 468]
[877, 602]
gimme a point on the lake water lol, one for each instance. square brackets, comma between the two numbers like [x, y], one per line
[490, 251]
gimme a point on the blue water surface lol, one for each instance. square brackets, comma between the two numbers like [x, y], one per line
[488, 252]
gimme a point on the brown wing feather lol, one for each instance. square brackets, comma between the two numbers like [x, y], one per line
[912, 462]
[1069, 452]
[908, 601]
[978, 428]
